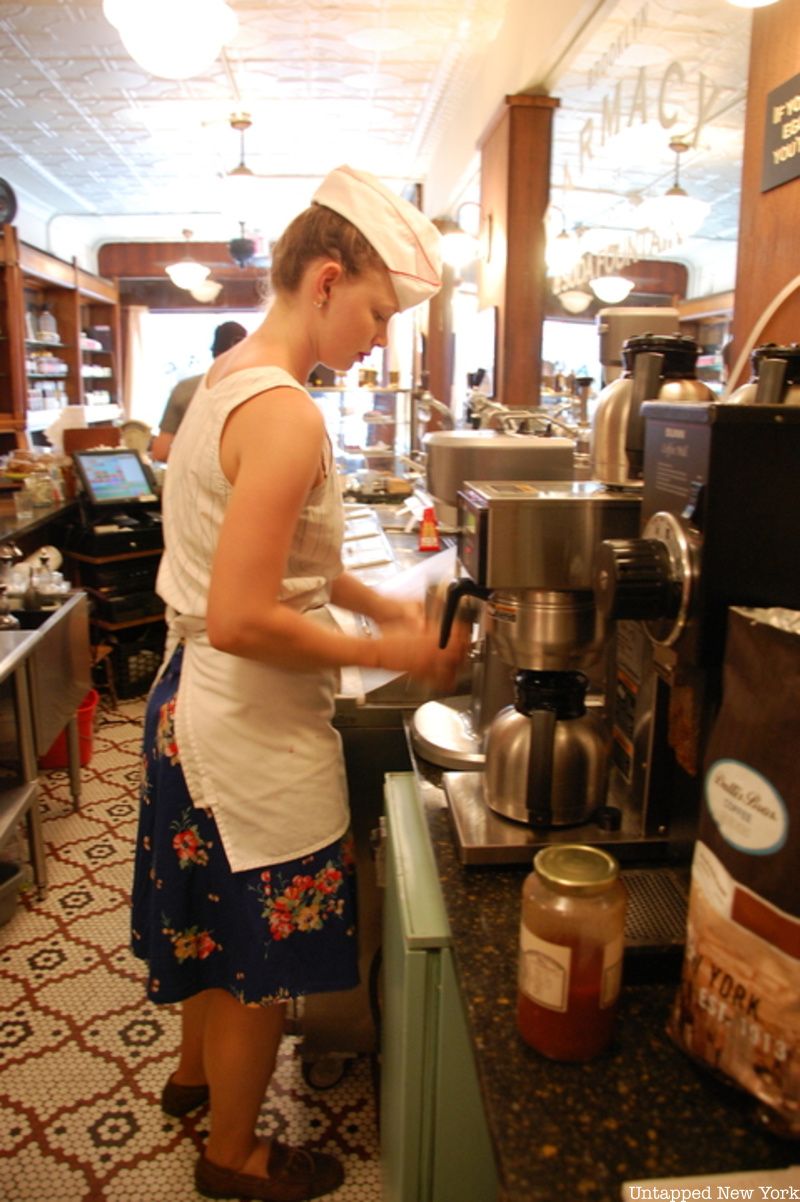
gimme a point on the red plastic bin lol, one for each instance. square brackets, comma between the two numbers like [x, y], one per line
[56, 755]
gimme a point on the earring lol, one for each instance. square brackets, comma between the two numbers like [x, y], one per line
[319, 304]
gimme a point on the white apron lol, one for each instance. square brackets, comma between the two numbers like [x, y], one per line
[256, 742]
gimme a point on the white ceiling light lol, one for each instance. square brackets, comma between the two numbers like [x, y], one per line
[575, 300]
[187, 272]
[611, 288]
[751, 3]
[172, 39]
[206, 292]
[674, 212]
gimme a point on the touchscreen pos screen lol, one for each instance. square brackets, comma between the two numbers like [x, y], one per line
[113, 477]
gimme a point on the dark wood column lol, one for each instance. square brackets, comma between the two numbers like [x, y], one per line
[515, 192]
[768, 260]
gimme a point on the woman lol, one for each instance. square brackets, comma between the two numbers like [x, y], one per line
[243, 890]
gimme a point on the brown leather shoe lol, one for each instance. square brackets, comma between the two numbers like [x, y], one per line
[178, 1100]
[294, 1175]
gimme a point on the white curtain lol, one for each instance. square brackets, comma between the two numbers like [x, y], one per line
[135, 384]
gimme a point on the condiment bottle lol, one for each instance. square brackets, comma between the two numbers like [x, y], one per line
[571, 946]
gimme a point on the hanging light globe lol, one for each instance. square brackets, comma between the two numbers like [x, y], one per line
[575, 300]
[172, 39]
[611, 288]
[187, 272]
[674, 212]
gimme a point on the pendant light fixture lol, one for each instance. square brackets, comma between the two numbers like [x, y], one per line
[675, 212]
[187, 272]
[611, 288]
[172, 39]
[241, 187]
[575, 300]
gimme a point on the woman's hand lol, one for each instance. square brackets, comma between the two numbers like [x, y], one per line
[414, 648]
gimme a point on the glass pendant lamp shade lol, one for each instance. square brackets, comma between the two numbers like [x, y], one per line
[173, 39]
[674, 211]
[611, 288]
[187, 272]
[575, 300]
[206, 292]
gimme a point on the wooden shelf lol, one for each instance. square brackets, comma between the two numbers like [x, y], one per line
[30, 279]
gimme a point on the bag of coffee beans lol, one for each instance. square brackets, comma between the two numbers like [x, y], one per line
[738, 1007]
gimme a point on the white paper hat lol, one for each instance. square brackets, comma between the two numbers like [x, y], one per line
[404, 238]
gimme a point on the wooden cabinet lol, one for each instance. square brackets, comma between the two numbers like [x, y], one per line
[59, 339]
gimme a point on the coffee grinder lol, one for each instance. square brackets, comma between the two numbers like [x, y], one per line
[720, 527]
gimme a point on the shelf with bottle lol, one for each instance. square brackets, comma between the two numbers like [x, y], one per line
[368, 421]
[45, 305]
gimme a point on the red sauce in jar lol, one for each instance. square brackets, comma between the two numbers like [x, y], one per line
[580, 1032]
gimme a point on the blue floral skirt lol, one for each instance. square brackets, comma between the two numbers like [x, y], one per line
[266, 934]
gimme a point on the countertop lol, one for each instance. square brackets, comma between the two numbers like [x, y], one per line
[12, 527]
[564, 1131]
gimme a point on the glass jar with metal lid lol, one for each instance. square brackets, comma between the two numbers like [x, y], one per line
[571, 947]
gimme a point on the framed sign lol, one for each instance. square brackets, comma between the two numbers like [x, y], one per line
[782, 135]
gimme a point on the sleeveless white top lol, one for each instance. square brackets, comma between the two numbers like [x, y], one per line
[256, 742]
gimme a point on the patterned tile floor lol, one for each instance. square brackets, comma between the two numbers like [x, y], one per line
[83, 1055]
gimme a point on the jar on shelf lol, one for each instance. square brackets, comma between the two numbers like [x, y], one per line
[571, 949]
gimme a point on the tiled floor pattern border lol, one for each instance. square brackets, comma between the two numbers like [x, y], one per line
[83, 1055]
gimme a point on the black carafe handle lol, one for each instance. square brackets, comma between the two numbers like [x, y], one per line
[540, 767]
[463, 587]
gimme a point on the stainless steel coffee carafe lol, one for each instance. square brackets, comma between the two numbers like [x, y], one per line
[547, 756]
[774, 377]
[656, 367]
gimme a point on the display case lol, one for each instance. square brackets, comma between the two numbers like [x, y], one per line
[369, 425]
[49, 358]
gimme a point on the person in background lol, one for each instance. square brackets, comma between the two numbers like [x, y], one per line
[243, 894]
[225, 336]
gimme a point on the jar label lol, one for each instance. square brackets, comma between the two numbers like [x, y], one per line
[544, 970]
[612, 972]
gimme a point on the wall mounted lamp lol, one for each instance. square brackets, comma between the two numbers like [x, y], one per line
[562, 248]
[174, 40]
[461, 244]
[187, 272]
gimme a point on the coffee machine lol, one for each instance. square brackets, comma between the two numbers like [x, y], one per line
[564, 707]
[527, 551]
[720, 528]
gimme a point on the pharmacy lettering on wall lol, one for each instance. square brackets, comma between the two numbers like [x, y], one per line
[782, 135]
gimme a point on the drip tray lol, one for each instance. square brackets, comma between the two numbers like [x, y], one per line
[657, 894]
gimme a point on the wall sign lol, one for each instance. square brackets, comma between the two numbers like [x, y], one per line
[782, 135]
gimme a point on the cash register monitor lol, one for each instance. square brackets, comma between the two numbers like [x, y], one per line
[114, 479]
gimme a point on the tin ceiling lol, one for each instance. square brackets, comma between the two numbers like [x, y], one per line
[86, 132]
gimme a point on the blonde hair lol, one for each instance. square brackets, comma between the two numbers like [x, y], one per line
[319, 232]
